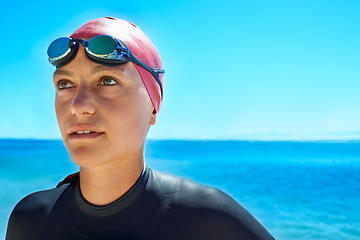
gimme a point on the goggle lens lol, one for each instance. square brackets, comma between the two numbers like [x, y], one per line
[101, 45]
[58, 47]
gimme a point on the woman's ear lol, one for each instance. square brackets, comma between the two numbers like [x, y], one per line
[153, 117]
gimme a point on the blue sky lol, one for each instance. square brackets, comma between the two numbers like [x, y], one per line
[281, 69]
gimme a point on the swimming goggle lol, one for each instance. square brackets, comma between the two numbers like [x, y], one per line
[101, 49]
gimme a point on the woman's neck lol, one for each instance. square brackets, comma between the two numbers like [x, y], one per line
[104, 184]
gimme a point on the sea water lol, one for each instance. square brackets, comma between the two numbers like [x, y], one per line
[297, 190]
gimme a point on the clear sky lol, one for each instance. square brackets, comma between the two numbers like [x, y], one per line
[245, 69]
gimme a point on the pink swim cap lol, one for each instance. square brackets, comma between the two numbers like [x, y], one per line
[138, 43]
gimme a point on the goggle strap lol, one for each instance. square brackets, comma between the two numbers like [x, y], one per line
[77, 40]
[154, 71]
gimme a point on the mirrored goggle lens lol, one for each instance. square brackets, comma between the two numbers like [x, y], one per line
[58, 47]
[101, 45]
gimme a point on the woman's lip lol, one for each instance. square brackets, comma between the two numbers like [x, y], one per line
[91, 135]
[83, 129]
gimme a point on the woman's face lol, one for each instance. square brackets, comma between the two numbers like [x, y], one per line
[104, 112]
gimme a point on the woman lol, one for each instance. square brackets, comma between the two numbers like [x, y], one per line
[109, 88]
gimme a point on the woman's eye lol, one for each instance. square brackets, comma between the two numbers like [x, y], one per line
[108, 81]
[62, 84]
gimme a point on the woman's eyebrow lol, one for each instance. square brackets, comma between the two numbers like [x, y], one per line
[63, 72]
[97, 68]
[103, 68]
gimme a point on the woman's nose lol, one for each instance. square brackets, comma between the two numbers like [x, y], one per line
[83, 102]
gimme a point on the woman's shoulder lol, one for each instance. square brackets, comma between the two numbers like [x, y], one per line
[215, 214]
[39, 200]
[31, 212]
[190, 191]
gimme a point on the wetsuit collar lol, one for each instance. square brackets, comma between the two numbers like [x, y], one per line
[115, 206]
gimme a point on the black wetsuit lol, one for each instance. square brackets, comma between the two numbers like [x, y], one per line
[158, 206]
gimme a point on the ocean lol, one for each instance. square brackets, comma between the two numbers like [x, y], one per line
[297, 190]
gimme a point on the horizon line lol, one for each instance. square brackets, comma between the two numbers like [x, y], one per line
[222, 139]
